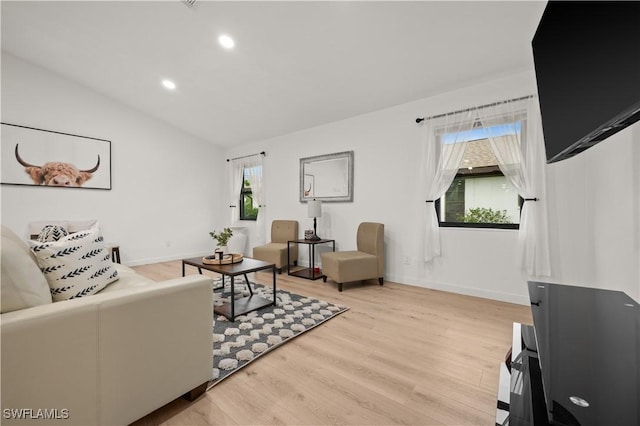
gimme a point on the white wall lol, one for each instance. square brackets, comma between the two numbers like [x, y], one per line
[479, 262]
[164, 197]
[386, 147]
[595, 201]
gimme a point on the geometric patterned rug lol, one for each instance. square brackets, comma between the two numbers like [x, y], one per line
[250, 336]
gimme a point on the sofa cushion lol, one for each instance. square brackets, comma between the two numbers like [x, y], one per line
[76, 265]
[272, 253]
[22, 285]
[127, 278]
[52, 233]
[347, 266]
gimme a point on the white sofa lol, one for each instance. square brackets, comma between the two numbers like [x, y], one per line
[104, 359]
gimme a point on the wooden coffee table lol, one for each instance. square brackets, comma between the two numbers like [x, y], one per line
[245, 304]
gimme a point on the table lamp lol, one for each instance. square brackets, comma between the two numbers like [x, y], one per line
[314, 210]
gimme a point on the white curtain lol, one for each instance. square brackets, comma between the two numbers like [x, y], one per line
[521, 159]
[255, 168]
[442, 154]
[235, 184]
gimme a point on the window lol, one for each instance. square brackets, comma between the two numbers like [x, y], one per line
[480, 196]
[247, 211]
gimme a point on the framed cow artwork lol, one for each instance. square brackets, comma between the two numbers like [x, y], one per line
[41, 157]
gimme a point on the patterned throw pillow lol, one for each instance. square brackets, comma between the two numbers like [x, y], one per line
[52, 233]
[76, 265]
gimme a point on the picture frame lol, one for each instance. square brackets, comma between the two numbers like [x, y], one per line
[328, 178]
[39, 157]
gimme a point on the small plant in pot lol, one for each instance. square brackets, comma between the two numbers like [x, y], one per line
[222, 238]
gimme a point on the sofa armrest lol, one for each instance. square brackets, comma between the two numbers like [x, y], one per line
[156, 345]
[49, 362]
[109, 358]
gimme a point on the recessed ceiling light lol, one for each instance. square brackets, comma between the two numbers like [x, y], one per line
[226, 41]
[168, 84]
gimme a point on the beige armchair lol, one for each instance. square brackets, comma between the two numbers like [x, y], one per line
[282, 231]
[365, 263]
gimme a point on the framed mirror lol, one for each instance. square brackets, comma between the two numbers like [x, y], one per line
[327, 177]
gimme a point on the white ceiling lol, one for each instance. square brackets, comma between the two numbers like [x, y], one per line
[296, 64]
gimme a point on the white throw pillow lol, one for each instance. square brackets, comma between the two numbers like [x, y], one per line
[22, 284]
[36, 227]
[76, 265]
[52, 233]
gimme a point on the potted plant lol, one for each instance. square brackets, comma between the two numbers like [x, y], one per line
[222, 238]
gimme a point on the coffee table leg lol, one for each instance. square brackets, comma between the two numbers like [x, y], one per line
[248, 284]
[274, 285]
[233, 301]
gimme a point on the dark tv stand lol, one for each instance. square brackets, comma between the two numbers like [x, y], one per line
[578, 365]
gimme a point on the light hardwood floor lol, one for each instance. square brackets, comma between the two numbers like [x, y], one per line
[399, 355]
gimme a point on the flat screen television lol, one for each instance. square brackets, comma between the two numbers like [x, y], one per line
[587, 65]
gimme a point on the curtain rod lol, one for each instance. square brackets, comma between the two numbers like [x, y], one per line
[246, 156]
[420, 119]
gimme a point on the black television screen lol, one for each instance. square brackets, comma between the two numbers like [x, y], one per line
[587, 65]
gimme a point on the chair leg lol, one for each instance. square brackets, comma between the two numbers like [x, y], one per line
[324, 279]
[381, 280]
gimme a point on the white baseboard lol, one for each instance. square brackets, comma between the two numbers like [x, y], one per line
[147, 261]
[467, 291]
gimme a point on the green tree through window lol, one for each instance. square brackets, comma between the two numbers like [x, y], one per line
[247, 211]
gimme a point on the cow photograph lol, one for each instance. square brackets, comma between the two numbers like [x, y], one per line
[40, 157]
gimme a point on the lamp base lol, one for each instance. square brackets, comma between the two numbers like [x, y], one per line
[315, 231]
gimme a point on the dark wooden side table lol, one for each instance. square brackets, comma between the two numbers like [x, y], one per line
[245, 304]
[309, 273]
[114, 249]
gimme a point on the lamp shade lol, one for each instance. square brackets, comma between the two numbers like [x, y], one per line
[314, 208]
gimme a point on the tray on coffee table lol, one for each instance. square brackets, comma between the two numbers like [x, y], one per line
[226, 259]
